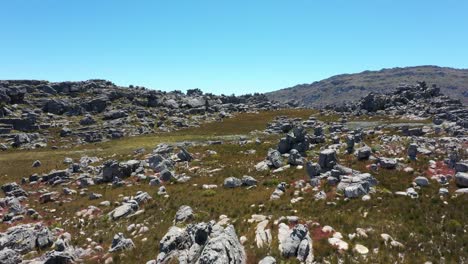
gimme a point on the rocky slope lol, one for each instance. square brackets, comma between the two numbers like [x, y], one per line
[349, 87]
[416, 101]
[98, 110]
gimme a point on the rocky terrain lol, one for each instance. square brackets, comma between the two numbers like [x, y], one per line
[95, 173]
[351, 87]
[97, 110]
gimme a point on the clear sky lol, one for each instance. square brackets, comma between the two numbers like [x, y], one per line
[220, 46]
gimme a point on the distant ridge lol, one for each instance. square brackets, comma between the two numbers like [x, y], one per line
[349, 87]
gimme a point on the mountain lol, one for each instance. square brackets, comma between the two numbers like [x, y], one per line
[350, 87]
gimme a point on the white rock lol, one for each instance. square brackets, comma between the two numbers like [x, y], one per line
[361, 249]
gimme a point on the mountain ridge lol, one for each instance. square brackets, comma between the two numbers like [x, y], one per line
[348, 87]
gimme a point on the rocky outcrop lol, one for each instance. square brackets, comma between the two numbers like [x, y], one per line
[201, 243]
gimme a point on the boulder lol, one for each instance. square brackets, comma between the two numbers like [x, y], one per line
[388, 163]
[313, 169]
[461, 167]
[124, 210]
[25, 238]
[201, 243]
[412, 151]
[421, 181]
[267, 260]
[327, 159]
[275, 159]
[120, 243]
[9, 256]
[232, 182]
[364, 153]
[461, 179]
[248, 180]
[295, 242]
[184, 155]
[87, 120]
[295, 158]
[184, 214]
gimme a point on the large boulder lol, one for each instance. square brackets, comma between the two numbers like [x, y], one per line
[224, 247]
[461, 179]
[327, 159]
[295, 242]
[26, 238]
[356, 185]
[201, 243]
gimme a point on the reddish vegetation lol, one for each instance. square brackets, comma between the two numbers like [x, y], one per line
[440, 169]
[318, 234]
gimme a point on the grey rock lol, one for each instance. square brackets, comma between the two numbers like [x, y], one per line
[166, 175]
[327, 159]
[36, 164]
[267, 260]
[443, 191]
[184, 155]
[355, 190]
[295, 158]
[313, 169]
[184, 214]
[114, 114]
[412, 151]
[142, 197]
[9, 256]
[421, 181]
[275, 159]
[201, 243]
[232, 182]
[248, 180]
[388, 163]
[297, 244]
[120, 243]
[223, 248]
[87, 121]
[124, 210]
[364, 153]
[461, 167]
[461, 179]
[13, 189]
[25, 238]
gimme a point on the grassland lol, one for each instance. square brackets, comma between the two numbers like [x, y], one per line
[431, 228]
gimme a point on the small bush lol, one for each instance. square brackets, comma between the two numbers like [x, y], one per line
[454, 226]
[209, 193]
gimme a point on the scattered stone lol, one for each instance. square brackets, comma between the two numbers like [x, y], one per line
[232, 182]
[120, 243]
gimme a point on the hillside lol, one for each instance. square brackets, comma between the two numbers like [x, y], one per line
[350, 87]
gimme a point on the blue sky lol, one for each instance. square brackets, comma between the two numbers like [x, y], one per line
[240, 46]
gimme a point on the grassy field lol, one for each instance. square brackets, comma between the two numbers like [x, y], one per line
[431, 228]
